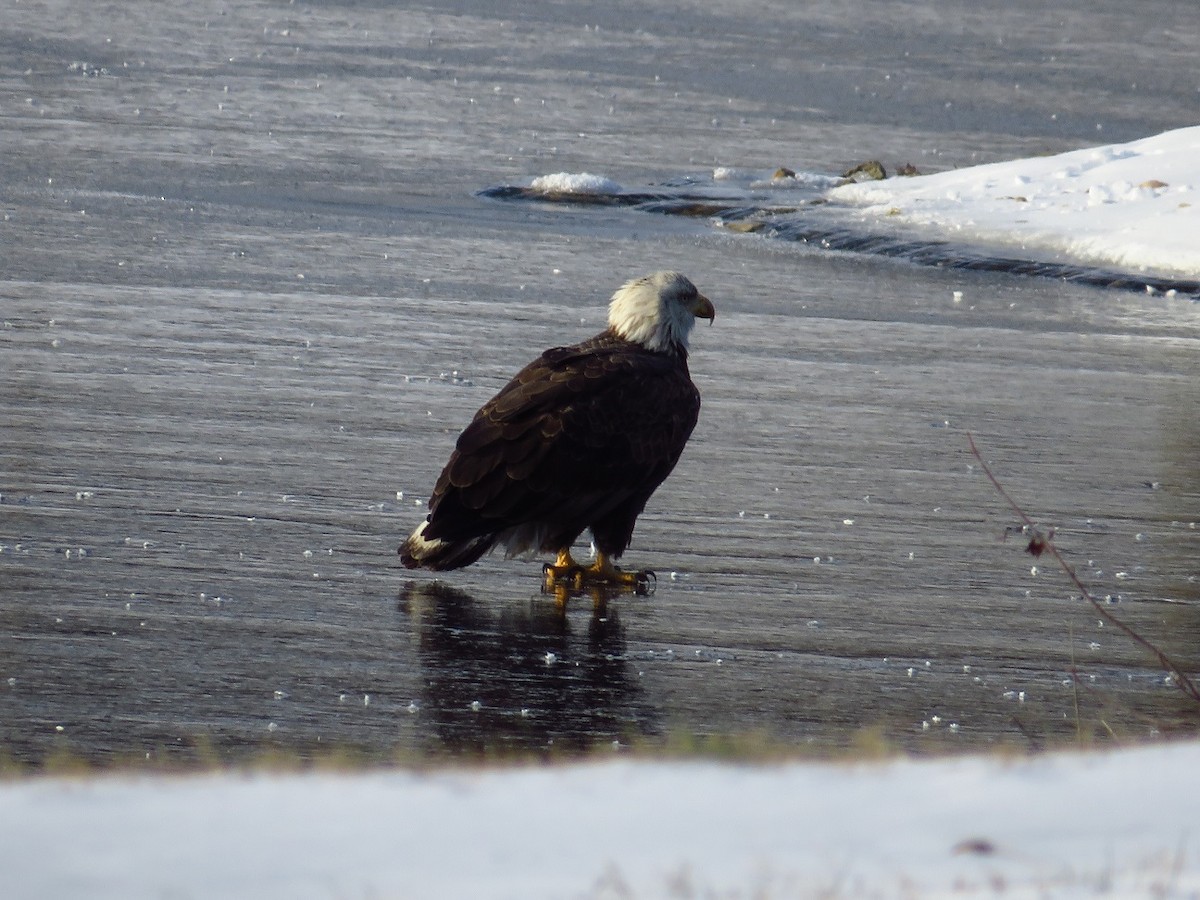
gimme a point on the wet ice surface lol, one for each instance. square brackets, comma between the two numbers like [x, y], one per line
[250, 297]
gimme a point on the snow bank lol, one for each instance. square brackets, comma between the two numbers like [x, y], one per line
[1071, 825]
[1135, 206]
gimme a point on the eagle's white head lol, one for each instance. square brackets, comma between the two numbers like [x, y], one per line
[658, 311]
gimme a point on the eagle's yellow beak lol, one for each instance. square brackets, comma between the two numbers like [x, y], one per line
[702, 308]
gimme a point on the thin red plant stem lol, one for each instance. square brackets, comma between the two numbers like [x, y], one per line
[1046, 542]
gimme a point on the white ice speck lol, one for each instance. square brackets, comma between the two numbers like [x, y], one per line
[476, 706]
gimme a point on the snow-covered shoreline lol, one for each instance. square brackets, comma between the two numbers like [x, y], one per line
[1126, 209]
[1133, 206]
[1084, 824]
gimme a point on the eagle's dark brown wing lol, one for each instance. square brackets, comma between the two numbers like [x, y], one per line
[580, 438]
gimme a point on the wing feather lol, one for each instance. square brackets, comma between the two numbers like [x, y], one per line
[574, 435]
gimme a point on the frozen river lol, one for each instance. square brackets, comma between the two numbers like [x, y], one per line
[250, 294]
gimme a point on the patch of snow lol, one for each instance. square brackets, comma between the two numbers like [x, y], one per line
[575, 183]
[1134, 206]
[1059, 826]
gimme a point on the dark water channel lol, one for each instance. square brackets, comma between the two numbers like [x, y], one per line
[250, 295]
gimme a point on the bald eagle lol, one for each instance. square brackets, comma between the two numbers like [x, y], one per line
[578, 440]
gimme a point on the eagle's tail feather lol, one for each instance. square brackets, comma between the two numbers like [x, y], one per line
[439, 554]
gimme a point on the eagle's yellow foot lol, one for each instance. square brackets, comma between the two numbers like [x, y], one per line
[603, 571]
[565, 572]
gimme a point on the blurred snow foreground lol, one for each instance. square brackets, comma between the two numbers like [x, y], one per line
[1062, 825]
[1135, 206]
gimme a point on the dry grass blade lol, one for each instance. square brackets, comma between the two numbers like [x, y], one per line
[1041, 542]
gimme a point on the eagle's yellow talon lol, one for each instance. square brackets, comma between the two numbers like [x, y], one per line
[565, 572]
[647, 581]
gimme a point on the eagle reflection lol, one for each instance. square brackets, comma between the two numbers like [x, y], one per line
[522, 678]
